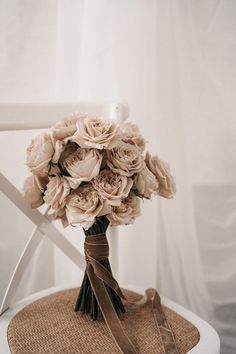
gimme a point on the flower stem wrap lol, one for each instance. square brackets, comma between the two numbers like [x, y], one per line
[97, 249]
[97, 253]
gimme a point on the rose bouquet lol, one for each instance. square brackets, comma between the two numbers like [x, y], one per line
[93, 172]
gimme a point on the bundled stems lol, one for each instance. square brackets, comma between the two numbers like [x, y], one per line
[86, 301]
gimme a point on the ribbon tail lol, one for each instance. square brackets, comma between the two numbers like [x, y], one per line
[167, 335]
[113, 323]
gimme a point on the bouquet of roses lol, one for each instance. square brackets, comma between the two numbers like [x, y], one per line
[92, 172]
[89, 167]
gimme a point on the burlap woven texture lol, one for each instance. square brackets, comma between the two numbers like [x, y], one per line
[50, 326]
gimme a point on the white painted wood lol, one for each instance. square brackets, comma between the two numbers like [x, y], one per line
[21, 265]
[25, 257]
[209, 340]
[42, 222]
[118, 112]
[44, 226]
[44, 115]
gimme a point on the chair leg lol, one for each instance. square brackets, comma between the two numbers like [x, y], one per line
[20, 268]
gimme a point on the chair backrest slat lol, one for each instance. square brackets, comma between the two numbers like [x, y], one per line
[43, 115]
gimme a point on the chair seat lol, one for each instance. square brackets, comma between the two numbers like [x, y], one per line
[50, 325]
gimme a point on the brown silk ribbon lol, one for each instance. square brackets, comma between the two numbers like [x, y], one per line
[96, 249]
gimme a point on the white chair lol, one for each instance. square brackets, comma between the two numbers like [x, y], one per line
[35, 116]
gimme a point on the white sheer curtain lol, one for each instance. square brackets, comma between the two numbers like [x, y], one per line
[174, 62]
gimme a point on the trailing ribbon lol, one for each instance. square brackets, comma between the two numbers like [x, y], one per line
[96, 249]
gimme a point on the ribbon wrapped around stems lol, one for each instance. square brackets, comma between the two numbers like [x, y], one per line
[96, 249]
[98, 255]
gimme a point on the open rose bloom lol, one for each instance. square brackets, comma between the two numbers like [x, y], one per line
[87, 167]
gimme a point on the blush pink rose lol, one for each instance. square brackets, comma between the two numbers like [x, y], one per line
[82, 165]
[125, 159]
[96, 133]
[112, 187]
[65, 128]
[61, 215]
[57, 190]
[39, 154]
[33, 190]
[132, 135]
[70, 148]
[160, 169]
[145, 183]
[83, 205]
[126, 212]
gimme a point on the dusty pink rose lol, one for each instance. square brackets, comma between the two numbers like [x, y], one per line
[54, 170]
[127, 212]
[131, 135]
[82, 165]
[65, 128]
[61, 215]
[33, 190]
[96, 133]
[57, 190]
[112, 187]
[83, 205]
[161, 170]
[70, 148]
[39, 154]
[125, 159]
[145, 183]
